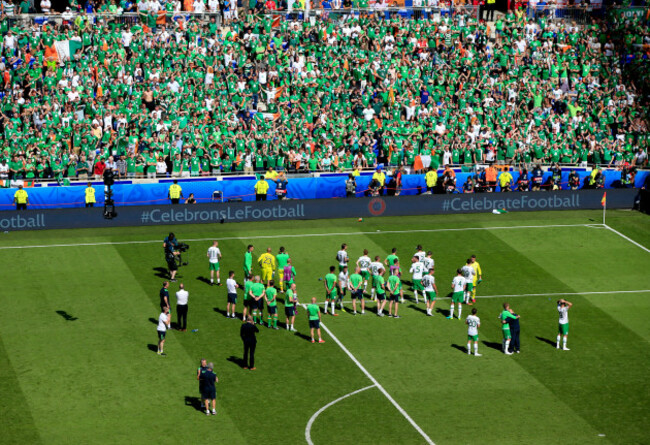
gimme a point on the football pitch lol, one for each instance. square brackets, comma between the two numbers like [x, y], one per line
[78, 343]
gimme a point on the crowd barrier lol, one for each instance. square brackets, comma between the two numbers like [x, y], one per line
[324, 186]
[227, 212]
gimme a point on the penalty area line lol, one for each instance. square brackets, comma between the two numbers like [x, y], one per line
[295, 235]
[377, 384]
[333, 402]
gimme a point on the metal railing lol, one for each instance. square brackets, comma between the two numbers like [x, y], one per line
[292, 172]
[294, 14]
[579, 15]
[130, 18]
[383, 13]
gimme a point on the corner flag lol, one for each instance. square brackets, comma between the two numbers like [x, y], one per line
[604, 200]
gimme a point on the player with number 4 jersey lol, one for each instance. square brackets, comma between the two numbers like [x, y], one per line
[458, 288]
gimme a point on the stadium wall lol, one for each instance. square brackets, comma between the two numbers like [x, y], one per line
[315, 209]
[324, 186]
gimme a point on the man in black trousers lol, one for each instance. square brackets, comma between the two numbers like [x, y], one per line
[181, 308]
[247, 334]
[514, 331]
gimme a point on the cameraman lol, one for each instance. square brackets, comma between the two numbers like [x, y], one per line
[170, 244]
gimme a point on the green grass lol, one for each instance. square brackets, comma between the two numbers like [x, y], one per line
[76, 334]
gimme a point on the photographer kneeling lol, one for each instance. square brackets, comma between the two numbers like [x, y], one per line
[173, 250]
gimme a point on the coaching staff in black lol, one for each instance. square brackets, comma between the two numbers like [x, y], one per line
[164, 296]
[209, 392]
[247, 334]
[170, 244]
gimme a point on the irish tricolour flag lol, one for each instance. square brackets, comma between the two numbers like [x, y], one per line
[66, 49]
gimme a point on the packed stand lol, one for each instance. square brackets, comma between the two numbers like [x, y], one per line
[176, 95]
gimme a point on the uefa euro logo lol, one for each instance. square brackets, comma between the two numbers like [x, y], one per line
[376, 206]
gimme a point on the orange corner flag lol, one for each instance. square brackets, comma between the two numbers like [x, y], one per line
[604, 200]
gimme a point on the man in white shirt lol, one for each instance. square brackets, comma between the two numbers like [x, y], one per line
[199, 6]
[214, 255]
[231, 288]
[46, 6]
[458, 286]
[376, 269]
[127, 36]
[10, 40]
[563, 307]
[473, 323]
[181, 308]
[343, 285]
[4, 170]
[364, 263]
[163, 324]
[368, 113]
[417, 271]
[468, 274]
[342, 256]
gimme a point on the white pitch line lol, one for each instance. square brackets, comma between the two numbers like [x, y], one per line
[293, 235]
[567, 293]
[378, 385]
[318, 413]
[627, 238]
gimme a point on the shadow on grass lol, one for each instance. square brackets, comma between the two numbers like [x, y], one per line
[153, 320]
[236, 360]
[194, 402]
[303, 336]
[493, 345]
[444, 312]
[546, 340]
[462, 349]
[203, 279]
[161, 272]
[221, 311]
[66, 316]
[419, 309]
[152, 347]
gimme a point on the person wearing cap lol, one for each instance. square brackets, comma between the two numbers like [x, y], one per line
[21, 199]
[261, 189]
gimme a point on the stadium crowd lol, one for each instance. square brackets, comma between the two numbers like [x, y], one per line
[177, 95]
